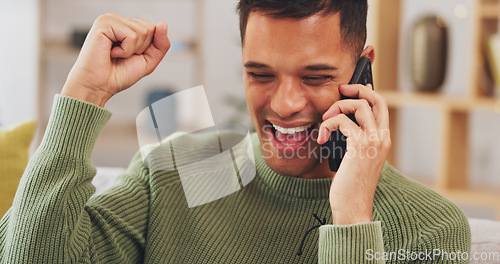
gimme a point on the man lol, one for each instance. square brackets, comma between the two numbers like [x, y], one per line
[297, 55]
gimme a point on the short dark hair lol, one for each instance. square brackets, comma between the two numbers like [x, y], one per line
[352, 15]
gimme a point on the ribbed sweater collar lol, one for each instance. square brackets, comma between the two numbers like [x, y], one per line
[287, 185]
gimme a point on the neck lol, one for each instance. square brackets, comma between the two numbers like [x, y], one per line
[321, 171]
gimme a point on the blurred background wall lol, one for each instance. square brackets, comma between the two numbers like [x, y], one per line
[19, 69]
[40, 41]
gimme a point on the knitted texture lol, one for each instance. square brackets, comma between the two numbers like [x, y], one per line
[145, 218]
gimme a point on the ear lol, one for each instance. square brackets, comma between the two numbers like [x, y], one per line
[369, 52]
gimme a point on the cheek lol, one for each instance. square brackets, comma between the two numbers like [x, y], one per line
[325, 98]
[255, 101]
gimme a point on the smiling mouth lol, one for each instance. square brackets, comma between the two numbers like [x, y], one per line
[292, 136]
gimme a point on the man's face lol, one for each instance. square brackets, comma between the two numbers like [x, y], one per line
[293, 68]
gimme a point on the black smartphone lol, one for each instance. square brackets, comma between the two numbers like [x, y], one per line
[337, 143]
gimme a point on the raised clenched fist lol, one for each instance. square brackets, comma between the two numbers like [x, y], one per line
[117, 53]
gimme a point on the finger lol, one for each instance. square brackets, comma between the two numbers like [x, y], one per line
[378, 102]
[146, 32]
[139, 35]
[148, 41]
[340, 122]
[155, 52]
[361, 109]
[125, 41]
[106, 37]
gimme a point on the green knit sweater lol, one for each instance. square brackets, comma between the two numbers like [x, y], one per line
[145, 216]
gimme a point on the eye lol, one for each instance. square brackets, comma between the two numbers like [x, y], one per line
[261, 77]
[317, 80]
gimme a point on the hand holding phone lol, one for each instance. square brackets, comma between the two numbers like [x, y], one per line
[336, 145]
[355, 182]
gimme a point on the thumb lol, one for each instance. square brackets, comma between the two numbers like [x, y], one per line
[161, 44]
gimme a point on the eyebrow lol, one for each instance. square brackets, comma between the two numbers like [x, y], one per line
[316, 67]
[256, 65]
[320, 67]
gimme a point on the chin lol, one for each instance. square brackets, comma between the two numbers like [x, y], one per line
[293, 169]
[291, 166]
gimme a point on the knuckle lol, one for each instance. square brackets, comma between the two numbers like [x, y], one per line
[134, 37]
[364, 103]
[102, 19]
[343, 118]
[145, 31]
[104, 22]
[109, 16]
[328, 124]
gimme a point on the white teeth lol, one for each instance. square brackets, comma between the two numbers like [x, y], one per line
[291, 130]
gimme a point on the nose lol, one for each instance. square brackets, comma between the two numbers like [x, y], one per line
[288, 98]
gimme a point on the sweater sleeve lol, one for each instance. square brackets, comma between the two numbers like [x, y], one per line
[358, 243]
[444, 236]
[51, 219]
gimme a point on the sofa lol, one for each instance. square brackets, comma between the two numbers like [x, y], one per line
[485, 238]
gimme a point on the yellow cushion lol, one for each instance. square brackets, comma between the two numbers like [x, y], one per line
[14, 154]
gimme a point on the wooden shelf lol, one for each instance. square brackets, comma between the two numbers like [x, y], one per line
[489, 10]
[467, 197]
[452, 178]
[398, 99]
[62, 49]
[488, 198]
[119, 1]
